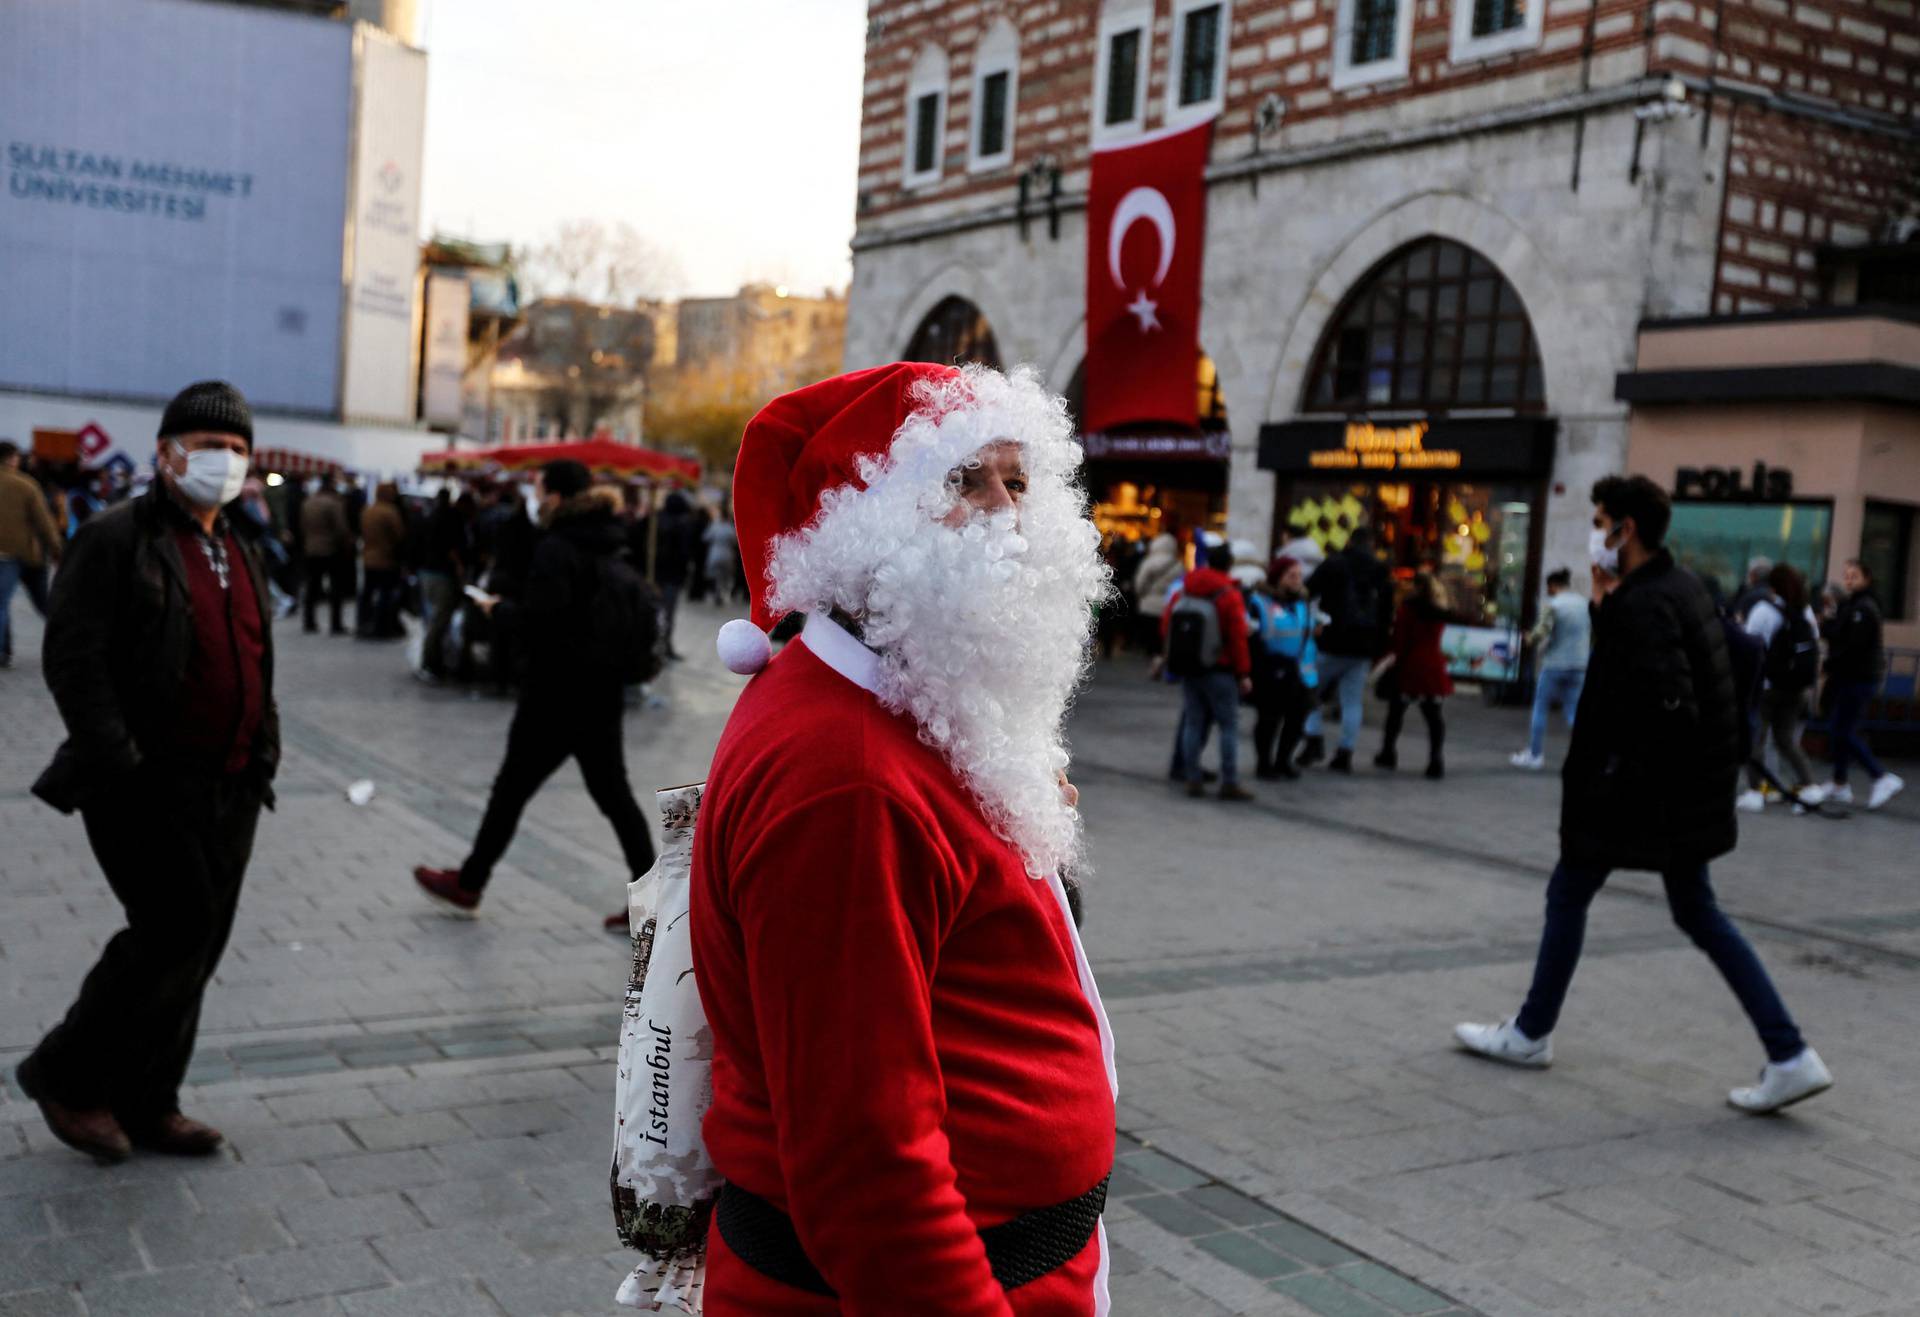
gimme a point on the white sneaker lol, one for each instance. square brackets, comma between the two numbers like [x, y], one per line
[1504, 1042]
[1750, 801]
[1527, 760]
[1885, 788]
[1840, 795]
[1812, 795]
[1784, 1083]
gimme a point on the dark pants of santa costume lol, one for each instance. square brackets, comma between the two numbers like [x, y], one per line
[907, 1047]
[548, 730]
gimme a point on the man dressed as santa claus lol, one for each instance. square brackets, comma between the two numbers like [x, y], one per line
[913, 1076]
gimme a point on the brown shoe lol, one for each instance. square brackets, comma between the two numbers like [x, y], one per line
[95, 1133]
[617, 924]
[1196, 789]
[1234, 791]
[445, 884]
[178, 1135]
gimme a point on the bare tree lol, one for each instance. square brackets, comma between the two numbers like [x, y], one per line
[588, 259]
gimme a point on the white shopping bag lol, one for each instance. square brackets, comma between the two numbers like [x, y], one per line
[664, 1184]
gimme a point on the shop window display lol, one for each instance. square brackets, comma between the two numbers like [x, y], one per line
[1477, 535]
[1719, 539]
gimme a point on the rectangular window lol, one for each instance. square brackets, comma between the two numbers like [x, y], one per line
[1491, 17]
[993, 114]
[1200, 55]
[926, 132]
[1719, 539]
[1886, 549]
[1123, 75]
[1375, 24]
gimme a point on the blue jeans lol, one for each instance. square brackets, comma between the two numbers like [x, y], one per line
[10, 569]
[1849, 702]
[1349, 674]
[1554, 685]
[1690, 897]
[1214, 698]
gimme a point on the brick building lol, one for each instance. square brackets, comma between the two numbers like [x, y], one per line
[1431, 223]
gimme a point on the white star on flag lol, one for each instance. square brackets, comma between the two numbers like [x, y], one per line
[1142, 308]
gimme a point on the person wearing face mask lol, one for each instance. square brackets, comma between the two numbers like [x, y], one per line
[159, 653]
[1649, 784]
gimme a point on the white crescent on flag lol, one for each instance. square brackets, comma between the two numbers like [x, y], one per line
[1143, 203]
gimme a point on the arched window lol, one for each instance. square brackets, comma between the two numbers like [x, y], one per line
[954, 332]
[926, 127]
[1435, 327]
[996, 93]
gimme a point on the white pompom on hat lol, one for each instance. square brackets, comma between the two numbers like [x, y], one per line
[743, 647]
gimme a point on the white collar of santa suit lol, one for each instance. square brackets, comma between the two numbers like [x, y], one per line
[836, 647]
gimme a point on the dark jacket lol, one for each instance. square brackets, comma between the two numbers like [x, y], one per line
[1207, 583]
[1356, 593]
[1651, 775]
[1854, 652]
[1420, 666]
[119, 639]
[553, 618]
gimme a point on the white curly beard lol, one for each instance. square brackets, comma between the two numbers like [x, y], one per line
[982, 630]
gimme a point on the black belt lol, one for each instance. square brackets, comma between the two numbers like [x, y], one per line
[1021, 1250]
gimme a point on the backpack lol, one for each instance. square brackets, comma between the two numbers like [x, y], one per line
[1193, 636]
[1793, 655]
[625, 634]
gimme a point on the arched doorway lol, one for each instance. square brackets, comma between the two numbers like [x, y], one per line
[1423, 415]
[953, 333]
[1148, 478]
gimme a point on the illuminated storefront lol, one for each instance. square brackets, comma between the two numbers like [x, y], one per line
[1424, 419]
[1145, 479]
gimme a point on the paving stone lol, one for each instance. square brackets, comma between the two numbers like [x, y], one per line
[572, 1231]
[332, 1104]
[1230, 1206]
[309, 1272]
[1326, 1296]
[211, 1237]
[361, 1217]
[553, 1289]
[456, 1251]
[1159, 1169]
[263, 1187]
[1392, 1289]
[298, 1143]
[414, 1130]
[184, 1292]
[1171, 1212]
[376, 1171]
[98, 1208]
[453, 1298]
[61, 1302]
[67, 1259]
[489, 1200]
[23, 1218]
[506, 1119]
[1310, 1246]
[1244, 1252]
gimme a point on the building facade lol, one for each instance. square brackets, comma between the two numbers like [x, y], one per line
[1434, 229]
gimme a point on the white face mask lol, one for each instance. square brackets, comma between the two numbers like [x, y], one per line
[1606, 559]
[214, 476]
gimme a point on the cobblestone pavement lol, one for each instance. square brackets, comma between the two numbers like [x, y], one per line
[418, 1103]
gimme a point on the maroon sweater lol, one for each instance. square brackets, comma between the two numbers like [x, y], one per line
[222, 700]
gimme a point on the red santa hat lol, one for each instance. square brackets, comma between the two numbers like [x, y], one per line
[798, 447]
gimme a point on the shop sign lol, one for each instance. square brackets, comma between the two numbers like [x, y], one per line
[1768, 484]
[1214, 446]
[1385, 448]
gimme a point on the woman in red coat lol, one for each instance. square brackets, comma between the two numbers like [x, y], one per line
[1418, 671]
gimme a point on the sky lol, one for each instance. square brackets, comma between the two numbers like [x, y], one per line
[726, 131]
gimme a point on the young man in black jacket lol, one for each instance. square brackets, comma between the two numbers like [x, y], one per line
[571, 702]
[1855, 663]
[1649, 783]
[159, 652]
[1355, 590]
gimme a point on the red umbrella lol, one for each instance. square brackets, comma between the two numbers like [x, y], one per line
[599, 455]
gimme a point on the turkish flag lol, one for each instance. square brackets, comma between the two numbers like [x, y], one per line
[1146, 228]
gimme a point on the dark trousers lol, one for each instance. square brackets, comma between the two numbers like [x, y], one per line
[332, 577]
[1780, 714]
[174, 847]
[1211, 700]
[546, 732]
[378, 613]
[1690, 897]
[1397, 718]
[1850, 700]
[1280, 708]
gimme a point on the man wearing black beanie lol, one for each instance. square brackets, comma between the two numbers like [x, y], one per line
[159, 652]
[589, 626]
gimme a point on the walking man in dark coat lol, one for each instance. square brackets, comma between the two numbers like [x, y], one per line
[159, 651]
[1649, 783]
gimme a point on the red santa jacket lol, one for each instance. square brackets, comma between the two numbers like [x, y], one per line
[907, 1044]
